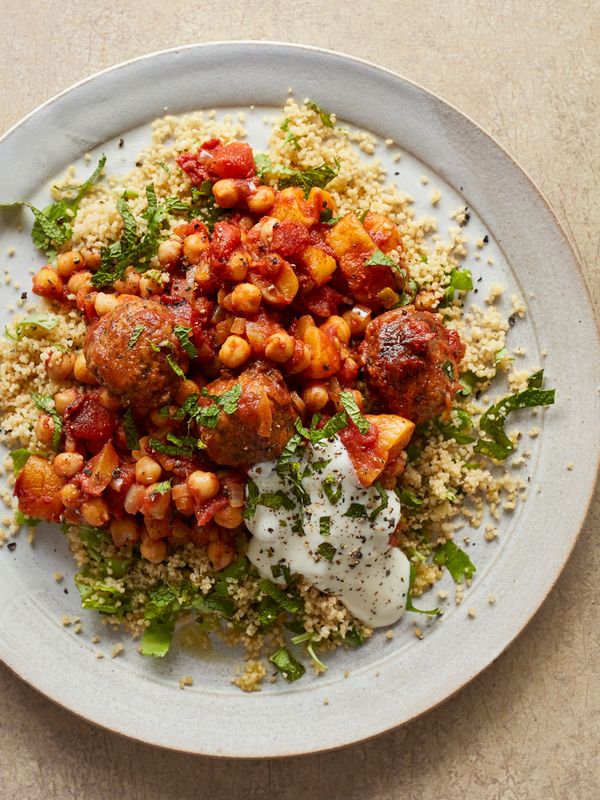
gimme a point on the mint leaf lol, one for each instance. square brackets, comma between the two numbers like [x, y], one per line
[456, 561]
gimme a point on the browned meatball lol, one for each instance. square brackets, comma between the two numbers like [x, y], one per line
[411, 361]
[260, 426]
[128, 349]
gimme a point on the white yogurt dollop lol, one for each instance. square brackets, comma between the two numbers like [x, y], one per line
[337, 539]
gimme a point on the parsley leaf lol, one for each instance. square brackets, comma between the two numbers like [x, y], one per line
[379, 259]
[30, 324]
[284, 662]
[132, 438]
[456, 561]
[325, 117]
[499, 445]
[137, 332]
[46, 403]
[133, 248]
[353, 411]
[183, 334]
[327, 551]
[286, 176]
[19, 458]
[52, 227]
[409, 603]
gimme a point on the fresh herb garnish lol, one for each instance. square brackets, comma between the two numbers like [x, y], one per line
[175, 446]
[456, 561]
[325, 117]
[468, 381]
[353, 411]
[19, 458]
[132, 438]
[23, 520]
[30, 324]
[286, 599]
[46, 403]
[275, 500]
[327, 551]
[408, 498]
[204, 206]
[356, 510]
[499, 445]
[503, 355]
[308, 638]
[383, 501]
[329, 429]
[286, 176]
[291, 137]
[137, 332]
[460, 280]
[228, 401]
[325, 526]
[175, 366]
[162, 487]
[379, 259]
[53, 224]
[459, 431]
[157, 638]
[409, 603]
[284, 662]
[183, 334]
[134, 248]
[332, 488]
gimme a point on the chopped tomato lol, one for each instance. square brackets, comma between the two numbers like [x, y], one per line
[289, 238]
[233, 160]
[87, 419]
[225, 239]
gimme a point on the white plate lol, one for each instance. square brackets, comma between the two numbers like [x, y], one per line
[390, 682]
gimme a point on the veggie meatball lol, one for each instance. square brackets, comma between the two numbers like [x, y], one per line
[410, 361]
[258, 427]
[134, 353]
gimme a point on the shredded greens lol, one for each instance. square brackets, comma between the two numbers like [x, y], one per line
[46, 403]
[456, 561]
[39, 320]
[306, 179]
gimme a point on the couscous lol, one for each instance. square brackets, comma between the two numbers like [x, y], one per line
[251, 393]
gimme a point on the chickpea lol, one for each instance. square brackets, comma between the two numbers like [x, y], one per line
[44, 429]
[79, 281]
[338, 327]
[170, 252]
[62, 400]
[137, 454]
[220, 554]
[245, 299]
[261, 202]
[48, 283]
[195, 246]
[147, 471]
[129, 283]
[91, 257]
[237, 266]
[68, 263]
[234, 352]
[159, 419]
[81, 371]
[315, 397]
[59, 366]
[109, 401]
[124, 531]
[149, 286]
[154, 551]
[279, 347]
[105, 303]
[226, 193]
[203, 485]
[95, 512]
[70, 495]
[229, 517]
[66, 465]
[358, 318]
[186, 389]
[180, 533]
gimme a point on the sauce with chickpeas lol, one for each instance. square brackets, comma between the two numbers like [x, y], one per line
[205, 369]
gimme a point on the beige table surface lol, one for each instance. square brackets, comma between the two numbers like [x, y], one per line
[529, 727]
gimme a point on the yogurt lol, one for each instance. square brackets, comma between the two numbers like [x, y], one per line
[338, 538]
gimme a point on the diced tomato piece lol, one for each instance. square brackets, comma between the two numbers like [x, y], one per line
[323, 301]
[206, 511]
[87, 419]
[210, 144]
[225, 239]
[180, 308]
[233, 160]
[289, 238]
[195, 169]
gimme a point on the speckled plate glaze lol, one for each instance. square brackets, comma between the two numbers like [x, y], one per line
[390, 681]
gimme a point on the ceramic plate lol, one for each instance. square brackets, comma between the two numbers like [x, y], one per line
[389, 681]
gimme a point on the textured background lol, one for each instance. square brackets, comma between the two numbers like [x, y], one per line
[529, 727]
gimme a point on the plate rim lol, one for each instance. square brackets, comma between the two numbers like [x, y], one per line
[584, 513]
